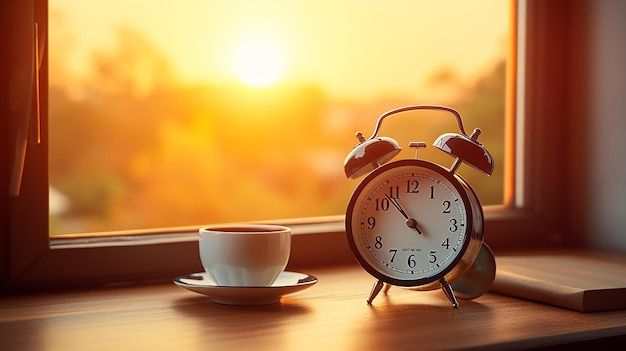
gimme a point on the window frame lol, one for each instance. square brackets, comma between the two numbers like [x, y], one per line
[528, 218]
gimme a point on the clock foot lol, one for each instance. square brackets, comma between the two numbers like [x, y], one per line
[375, 290]
[386, 289]
[447, 290]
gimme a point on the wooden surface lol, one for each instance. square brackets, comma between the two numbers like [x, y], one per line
[332, 315]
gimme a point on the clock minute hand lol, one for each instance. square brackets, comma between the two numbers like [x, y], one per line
[410, 222]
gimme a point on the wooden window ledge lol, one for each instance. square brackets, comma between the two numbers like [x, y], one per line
[331, 315]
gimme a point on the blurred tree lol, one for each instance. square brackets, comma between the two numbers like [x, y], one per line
[137, 148]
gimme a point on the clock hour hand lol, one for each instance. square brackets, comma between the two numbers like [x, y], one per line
[410, 222]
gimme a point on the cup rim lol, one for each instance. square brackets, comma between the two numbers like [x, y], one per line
[245, 229]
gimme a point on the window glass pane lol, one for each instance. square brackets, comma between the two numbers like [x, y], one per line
[174, 113]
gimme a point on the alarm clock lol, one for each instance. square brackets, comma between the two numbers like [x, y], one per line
[415, 224]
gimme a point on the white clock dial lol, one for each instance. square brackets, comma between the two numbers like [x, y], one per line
[410, 222]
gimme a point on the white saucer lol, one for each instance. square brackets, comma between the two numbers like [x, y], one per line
[286, 283]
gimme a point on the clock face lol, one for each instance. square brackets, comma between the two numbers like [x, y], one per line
[409, 222]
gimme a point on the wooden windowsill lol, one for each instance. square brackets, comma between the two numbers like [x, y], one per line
[331, 315]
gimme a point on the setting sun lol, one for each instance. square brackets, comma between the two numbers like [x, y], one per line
[258, 62]
[225, 90]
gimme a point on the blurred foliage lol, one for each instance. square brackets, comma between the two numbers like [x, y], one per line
[138, 149]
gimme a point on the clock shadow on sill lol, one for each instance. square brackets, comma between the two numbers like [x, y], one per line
[422, 303]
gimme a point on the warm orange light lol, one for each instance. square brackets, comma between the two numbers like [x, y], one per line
[258, 62]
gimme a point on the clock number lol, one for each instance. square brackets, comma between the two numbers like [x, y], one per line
[382, 204]
[411, 262]
[394, 191]
[446, 243]
[432, 191]
[433, 258]
[412, 185]
[379, 242]
[453, 226]
[371, 221]
[393, 254]
[446, 206]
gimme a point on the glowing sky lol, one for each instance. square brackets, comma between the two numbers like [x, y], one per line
[357, 48]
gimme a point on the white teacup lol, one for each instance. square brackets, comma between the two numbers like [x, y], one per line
[245, 255]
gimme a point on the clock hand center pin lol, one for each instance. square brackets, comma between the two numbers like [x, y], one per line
[410, 222]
